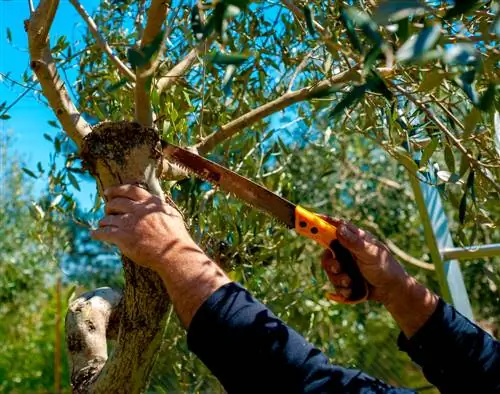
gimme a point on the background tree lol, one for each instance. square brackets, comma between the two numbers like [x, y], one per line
[412, 80]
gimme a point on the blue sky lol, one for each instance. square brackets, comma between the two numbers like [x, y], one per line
[29, 117]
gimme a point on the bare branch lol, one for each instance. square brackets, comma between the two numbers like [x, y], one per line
[44, 67]
[405, 257]
[157, 14]
[396, 250]
[228, 130]
[101, 41]
[31, 6]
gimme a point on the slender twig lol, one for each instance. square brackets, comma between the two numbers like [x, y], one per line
[28, 88]
[31, 7]
[31, 87]
[300, 67]
[101, 41]
[43, 65]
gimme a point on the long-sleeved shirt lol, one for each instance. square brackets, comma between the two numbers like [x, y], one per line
[250, 350]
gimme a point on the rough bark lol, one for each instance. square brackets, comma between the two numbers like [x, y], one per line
[91, 321]
[116, 153]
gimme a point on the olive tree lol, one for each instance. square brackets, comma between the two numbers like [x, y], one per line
[414, 80]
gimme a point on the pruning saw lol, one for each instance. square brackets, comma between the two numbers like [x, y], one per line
[293, 216]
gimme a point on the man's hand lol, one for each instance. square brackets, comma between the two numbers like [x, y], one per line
[377, 265]
[409, 302]
[152, 233]
[145, 229]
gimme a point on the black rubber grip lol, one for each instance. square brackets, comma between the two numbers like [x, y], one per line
[348, 265]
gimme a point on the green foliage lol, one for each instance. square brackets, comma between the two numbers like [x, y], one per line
[423, 101]
[30, 249]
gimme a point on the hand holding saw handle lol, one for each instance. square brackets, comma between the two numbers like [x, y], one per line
[314, 227]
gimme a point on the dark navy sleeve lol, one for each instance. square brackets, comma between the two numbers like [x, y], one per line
[456, 355]
[252, 351]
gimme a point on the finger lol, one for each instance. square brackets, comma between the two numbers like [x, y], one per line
[359, 242]
[108, 234]
[132, 192]
[329, 219]
[340, 281]
[330, 263]
[120, 205]
[339, 295]
[111, 221]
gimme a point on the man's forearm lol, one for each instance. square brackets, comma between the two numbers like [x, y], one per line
[190, 278]
[411, 306]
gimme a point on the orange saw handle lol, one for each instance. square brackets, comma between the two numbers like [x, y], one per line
[324, 233]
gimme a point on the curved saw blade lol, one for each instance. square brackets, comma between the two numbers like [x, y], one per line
[243, 188]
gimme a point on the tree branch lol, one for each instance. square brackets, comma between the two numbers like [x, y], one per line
[44, 67]
[400, 253]
[230, 129]
[405, 257]
[101, 41]
[91, 321]
[157, 14]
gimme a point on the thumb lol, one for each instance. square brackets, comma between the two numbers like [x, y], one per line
[358, 242]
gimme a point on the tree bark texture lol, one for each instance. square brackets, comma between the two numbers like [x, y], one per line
[117, 153]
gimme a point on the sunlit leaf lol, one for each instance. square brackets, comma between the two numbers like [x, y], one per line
[36, 211]
[391, 11]
[57, 199]
[419, 44]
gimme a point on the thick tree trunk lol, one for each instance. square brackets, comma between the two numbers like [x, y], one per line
[117, 153]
